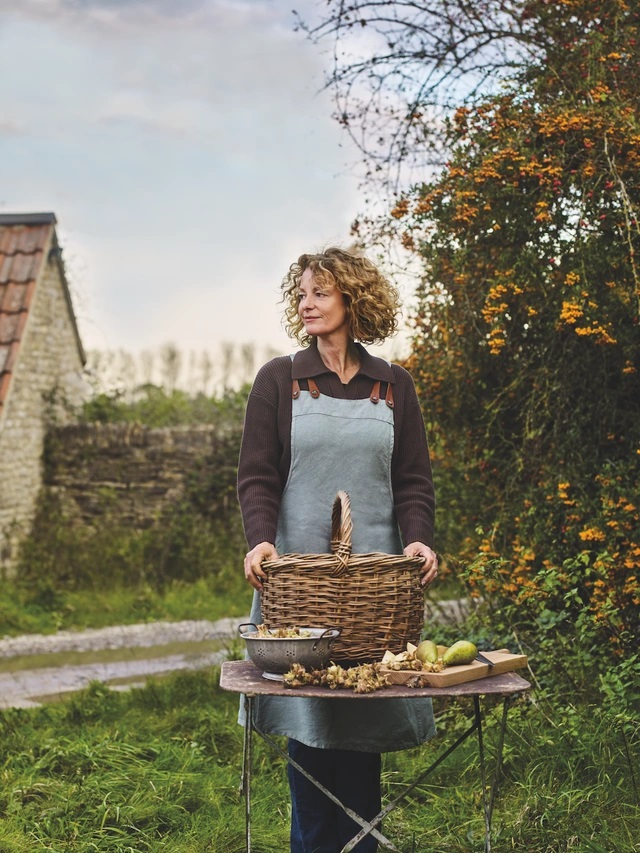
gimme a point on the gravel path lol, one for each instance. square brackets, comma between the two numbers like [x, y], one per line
[23, 684]
[29, 687]
[26, 685]
[119, 637]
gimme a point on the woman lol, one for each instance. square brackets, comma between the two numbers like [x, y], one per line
[315, 426]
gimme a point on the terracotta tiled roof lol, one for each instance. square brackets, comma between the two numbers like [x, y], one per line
[25, 240]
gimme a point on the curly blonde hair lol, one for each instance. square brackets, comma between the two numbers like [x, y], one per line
[372, 302]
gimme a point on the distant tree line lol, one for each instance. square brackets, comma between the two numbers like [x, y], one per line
[168, 367]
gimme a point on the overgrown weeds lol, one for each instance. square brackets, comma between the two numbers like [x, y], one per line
[158, 769]
[32, 611]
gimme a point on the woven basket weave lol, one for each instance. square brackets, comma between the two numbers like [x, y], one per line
[376, 598]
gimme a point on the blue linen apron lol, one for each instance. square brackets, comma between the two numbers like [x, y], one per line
[341, 444]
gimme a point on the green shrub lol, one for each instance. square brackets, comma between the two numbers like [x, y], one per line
[200, 536]
[183, 545]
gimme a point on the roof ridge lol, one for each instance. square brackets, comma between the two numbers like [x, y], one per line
[28, 219]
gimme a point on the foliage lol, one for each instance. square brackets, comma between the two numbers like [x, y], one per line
[527, 331]
[198, 537]
[155, 406]
[158, 769]
[184, 545]
[527, 336]
[41, 608]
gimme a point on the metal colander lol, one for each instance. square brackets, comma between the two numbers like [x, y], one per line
[276, 654]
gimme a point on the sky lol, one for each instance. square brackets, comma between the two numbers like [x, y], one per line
[188, 151]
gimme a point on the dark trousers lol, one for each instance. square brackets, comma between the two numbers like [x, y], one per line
[319, 825]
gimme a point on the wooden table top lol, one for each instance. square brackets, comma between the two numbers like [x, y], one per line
[242, 676]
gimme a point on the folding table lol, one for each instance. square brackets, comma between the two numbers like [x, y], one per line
[245, 678]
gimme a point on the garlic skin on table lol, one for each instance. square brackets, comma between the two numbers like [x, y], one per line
[407, 661]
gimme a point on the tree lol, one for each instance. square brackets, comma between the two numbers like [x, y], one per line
[401, 66]
[526, 349]
[528, 343]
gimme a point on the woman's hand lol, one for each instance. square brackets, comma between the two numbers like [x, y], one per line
[430, 567]
[253, 570]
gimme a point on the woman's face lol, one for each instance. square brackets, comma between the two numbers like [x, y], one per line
[321, 307]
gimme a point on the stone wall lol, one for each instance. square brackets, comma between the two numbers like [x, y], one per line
[130, 471]
[49, 363]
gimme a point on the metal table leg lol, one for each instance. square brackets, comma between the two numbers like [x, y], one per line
[247, 756]
[487, 804]
[394, 803]
[369, 827]
[498, 768]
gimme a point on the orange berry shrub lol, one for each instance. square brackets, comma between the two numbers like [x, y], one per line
[527, 335]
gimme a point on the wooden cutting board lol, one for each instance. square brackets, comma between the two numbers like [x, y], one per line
[503, 661]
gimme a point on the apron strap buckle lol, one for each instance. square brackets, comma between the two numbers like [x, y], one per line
[389, 396]
[313, 389]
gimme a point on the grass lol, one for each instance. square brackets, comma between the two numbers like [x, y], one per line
[23, 611]
[157, 769]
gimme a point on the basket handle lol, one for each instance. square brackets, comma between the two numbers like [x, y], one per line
[341, 530]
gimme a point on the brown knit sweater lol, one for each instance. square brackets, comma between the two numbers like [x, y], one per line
[265, 455]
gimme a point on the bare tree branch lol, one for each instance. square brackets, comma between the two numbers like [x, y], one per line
[400, 68]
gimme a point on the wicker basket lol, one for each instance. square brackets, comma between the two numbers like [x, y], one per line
[376, 598]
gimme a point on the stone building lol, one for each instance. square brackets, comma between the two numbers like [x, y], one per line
[41, 364]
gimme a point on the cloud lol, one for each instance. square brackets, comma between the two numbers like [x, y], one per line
[175, 66]
[12, 127]
[120, 17]
[186, 152]
[179, 116]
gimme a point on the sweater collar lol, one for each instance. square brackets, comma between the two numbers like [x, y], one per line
[308, 363]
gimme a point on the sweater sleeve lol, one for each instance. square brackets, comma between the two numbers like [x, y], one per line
[259, 477]
[412, 479]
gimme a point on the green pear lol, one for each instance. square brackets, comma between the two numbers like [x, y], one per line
[427, 652]
[459, 653]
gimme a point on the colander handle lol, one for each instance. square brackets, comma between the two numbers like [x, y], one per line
[341, 530]
[244, 625]
[324, 634]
